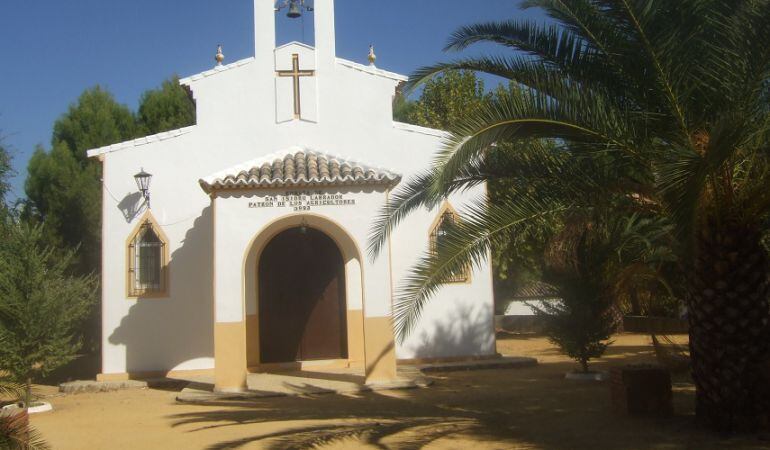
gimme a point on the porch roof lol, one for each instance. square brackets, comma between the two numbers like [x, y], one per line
[298, 167]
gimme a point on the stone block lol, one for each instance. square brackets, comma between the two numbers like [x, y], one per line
[77, 387]
[641, 390]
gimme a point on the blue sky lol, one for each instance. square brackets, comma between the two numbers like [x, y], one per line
[53, 49]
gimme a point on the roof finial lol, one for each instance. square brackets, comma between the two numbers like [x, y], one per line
[220, 56]
[372, 56]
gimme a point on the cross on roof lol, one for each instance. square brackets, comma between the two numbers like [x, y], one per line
[296, 73]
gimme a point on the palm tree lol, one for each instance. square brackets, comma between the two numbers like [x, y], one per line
[674, 96]
[553, 194]
[15, 432]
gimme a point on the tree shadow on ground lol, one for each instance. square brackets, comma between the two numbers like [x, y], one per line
[530, 407]
[372, 419]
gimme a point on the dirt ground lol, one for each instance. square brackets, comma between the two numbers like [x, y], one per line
[531, 408]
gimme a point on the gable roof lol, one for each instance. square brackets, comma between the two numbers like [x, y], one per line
[140, 141]
[187, 81]
[294, 43]
[371, 70]
[298, 167]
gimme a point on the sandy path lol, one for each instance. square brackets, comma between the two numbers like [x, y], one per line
[519, 408]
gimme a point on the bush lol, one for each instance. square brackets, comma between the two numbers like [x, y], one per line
[580, 325]
[41, 306]
[580, 263]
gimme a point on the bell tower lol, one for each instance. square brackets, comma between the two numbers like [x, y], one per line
[297, 73]
[264, 29]
[325, 42]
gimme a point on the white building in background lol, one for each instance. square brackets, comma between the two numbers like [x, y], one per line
[251, 255]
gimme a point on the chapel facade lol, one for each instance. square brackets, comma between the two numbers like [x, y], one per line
[251, 255]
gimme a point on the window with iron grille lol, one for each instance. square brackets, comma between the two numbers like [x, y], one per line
[147, 262]
[447, 220]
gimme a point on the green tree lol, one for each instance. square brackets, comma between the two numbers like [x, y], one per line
[95, 120]
[444, 100]
[594, 262]
[63, 186]
[403, 108]
[167, 108]
[41, 306]
[581, 322]
[672, 96]
[66, 197]
[519, 264]
[5, 173]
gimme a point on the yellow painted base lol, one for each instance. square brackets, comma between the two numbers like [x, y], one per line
[236, 349]
[355, 340]
[356, 352]
[380, 350]
[252, 340]
[230, 357]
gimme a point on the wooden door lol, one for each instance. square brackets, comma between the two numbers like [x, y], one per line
[302, 312]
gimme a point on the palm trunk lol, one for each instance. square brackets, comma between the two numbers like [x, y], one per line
[729, 332]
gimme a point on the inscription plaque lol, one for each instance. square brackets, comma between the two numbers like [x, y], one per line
[302, 200]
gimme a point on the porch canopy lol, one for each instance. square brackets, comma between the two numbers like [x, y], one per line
[291, 282]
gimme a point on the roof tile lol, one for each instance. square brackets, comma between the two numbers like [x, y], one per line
[298, 167]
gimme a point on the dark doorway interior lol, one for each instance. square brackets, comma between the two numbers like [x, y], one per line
[302, 312]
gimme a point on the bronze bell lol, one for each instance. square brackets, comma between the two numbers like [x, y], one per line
[294, 10]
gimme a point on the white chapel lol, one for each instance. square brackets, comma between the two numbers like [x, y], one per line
[247, 251]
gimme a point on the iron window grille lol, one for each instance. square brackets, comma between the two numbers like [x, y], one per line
[448, 220]
[147, 263]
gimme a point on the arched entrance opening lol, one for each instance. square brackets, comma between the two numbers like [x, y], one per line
[302, 298]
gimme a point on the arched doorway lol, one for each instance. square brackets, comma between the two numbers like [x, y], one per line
[302, 299]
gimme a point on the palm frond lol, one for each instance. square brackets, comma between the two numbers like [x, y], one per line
[519, 116]
[582, 17]
[687, 177]
[423, 191]
[17, 434]
[638, 15]
[415, 193]
[11, 390]
[466, 244]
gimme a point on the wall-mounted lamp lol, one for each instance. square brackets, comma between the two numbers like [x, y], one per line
[303, 226]
[143, 183]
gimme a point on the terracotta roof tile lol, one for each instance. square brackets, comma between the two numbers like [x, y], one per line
[535, 289]
[298, 167]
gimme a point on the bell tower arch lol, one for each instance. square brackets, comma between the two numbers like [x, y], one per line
[323, 23]
[315, 64]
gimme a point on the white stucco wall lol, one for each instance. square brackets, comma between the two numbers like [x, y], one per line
[237, 122]
[458, 321]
